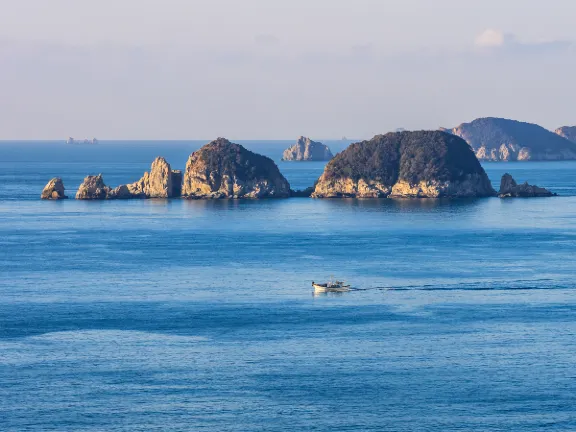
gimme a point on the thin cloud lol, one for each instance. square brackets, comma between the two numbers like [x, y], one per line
[490, 38]
[493, 40]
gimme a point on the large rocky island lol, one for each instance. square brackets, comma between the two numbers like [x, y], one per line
[222, 169]
[405, 164]
[498, 139]
[307, 150]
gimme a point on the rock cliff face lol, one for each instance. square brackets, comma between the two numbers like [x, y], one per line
[509, 188]
[93, 188]
[222, 169]
[54, 190]
[407, 164]
[568, 132]
[497, 139]
[158, 183]
[307, 150]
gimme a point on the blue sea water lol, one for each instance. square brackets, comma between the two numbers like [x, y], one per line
[181, 315]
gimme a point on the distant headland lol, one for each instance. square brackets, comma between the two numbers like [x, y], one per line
[423, 164]
[498, 139]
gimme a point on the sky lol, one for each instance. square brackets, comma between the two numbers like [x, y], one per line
[277, 69]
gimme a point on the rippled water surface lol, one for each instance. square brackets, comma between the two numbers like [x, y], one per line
[198, 315]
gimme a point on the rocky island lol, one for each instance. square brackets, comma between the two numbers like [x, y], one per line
[405, 164]
[307, 150]
[54, 190]
[510, 189]
[498, 139]
[222, 169]
[424, 164]
[160, 182]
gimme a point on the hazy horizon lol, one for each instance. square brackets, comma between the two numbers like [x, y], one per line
[251, 70]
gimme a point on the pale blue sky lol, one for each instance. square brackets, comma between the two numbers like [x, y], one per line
[251, 69]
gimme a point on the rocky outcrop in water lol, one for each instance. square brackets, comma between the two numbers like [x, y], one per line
[509, 188]
[222, 169]
[407, 164]
[307, 150]
[93, 188]
[160, 182]
[54, 190]
[568, 132]
[498, 139]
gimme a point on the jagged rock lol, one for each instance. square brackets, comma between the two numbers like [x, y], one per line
[122, 192]
[222, 169]
[160, 182]
[568, 132]
[54, 190]
[406, 164]
[498, 139]
[307, 150]
[509, 188]
[93, 188]
[154, 184]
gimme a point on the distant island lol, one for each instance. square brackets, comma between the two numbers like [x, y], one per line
[568, 132]
[71, 140]
[424, 164]
[307, 150]
[498, 139]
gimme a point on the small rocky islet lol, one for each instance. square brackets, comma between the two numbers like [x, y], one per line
[54, 190]
[307, 150]
[423, 164]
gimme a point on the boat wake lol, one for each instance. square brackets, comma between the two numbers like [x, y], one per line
[517, 285]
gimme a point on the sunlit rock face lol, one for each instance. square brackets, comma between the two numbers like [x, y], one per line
[54, 190]
[568, 132]
[93, 188]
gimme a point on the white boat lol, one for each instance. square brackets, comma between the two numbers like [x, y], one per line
[332, 286]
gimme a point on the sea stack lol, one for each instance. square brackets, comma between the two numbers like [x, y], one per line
[54, 190]
[93, 188]
[160, 182]
[222, 169]
[307, 150]
[509, 188]
[498, 139]
[425, 164]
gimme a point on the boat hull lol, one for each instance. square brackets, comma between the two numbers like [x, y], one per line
[324, 288]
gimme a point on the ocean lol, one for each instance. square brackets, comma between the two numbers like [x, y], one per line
[179, 315]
